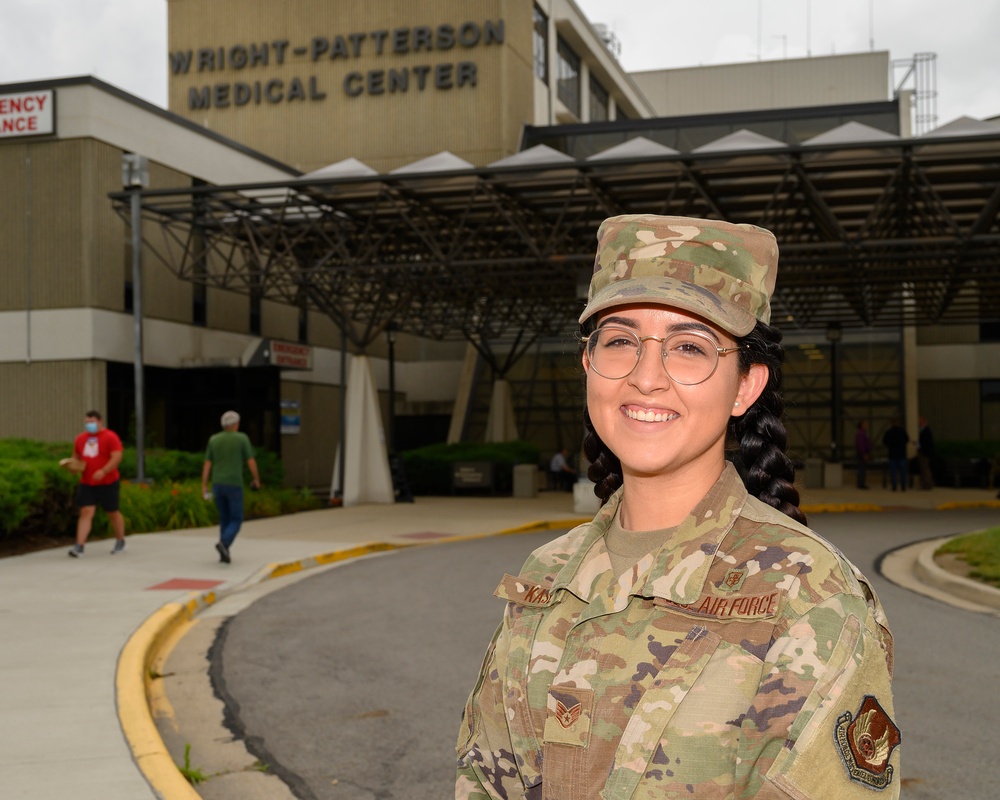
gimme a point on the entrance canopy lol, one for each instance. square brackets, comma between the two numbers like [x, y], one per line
[874, 231]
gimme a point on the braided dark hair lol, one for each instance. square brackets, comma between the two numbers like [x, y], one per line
[759, 434]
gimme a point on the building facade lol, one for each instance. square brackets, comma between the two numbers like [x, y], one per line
[389, 82]
[261, 94]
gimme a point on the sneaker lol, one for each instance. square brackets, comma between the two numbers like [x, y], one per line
[223, 552]
[119, 547]
[76, 551]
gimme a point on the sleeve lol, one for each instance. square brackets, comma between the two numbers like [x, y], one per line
[247, 448]
[114, 442]
[486, 768]
[821, 723]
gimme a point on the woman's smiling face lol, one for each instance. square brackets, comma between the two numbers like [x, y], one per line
[657, 426]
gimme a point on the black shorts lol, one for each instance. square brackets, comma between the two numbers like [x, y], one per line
[105, 495]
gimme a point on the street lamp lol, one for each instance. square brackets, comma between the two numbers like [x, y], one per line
[833, 336]
[390, 335]
[400, 486]
[135, 178]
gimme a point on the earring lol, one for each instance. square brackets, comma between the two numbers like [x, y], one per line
[736, 404]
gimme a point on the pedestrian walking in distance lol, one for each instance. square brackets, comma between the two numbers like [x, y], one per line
[225, 455]
[99, 451]
[695, 639]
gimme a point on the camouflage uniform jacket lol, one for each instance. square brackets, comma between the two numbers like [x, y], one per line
[746, 658]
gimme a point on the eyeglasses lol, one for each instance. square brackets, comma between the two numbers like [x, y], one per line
[689, 357]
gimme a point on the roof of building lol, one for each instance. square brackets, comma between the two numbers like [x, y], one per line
[874, 231]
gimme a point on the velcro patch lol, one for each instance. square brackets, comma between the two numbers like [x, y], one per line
[568, 715]
[733, 580]
[526, 593]
[757, 606]
[866, 741]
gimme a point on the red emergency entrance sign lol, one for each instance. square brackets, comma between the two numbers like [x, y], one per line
[27, 114]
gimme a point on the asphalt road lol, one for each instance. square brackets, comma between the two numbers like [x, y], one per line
[350, 684]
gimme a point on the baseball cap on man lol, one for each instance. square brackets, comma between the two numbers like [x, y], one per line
[230, 418]
[721, 271]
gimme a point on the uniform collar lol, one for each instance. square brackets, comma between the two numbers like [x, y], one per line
[681, 565]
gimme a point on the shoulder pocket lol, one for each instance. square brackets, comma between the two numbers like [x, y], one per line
[467, 730]
[844, 742]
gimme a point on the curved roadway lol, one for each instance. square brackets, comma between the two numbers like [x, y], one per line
[350, 683]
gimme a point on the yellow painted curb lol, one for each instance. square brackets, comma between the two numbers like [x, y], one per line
[961, 504]
[838, 508]
[131, 680]
[151, 641]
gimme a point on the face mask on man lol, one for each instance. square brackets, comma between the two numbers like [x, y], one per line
[91, 427]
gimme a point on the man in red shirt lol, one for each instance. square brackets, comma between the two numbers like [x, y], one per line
[100, 450]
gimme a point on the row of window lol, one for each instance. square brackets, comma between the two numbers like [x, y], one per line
[567, 73]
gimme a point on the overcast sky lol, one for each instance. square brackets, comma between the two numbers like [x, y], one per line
[124, 42]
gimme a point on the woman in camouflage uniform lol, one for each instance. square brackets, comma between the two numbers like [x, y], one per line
[695, 639]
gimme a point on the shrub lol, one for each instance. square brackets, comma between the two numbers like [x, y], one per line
[163, 465]
[36, 494]
[180, 465]
[971, 449]
[272, 471]
[21, 484]
[429, 469]
[31, 450]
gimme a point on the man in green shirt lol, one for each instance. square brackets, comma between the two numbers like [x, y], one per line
[224, 458]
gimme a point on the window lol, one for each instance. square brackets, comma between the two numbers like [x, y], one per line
[541, 44]
[568, 85]
[598, 102]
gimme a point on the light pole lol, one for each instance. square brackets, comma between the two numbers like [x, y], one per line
[833, 336]
[135, 177]
[390, 335]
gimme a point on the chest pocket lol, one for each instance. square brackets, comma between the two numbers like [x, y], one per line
[576, 757]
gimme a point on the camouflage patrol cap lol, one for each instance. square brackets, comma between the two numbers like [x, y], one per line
[721, 271]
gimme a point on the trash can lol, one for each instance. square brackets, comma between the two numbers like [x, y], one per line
[525, 480]
[814, 473]
[833, 475]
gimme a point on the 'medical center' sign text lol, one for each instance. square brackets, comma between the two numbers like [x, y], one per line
[399, 77]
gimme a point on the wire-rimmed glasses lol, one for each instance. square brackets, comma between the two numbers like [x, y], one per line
[688, 357]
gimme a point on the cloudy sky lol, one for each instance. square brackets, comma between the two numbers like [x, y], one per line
[124, 42]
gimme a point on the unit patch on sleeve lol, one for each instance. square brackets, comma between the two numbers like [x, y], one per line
[866, 741]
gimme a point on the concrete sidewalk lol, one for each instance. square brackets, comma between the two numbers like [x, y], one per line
[65, 621]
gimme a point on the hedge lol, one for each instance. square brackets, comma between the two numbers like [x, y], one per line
[36, 494]
[969, 448]
[178, 465]
[429, 469]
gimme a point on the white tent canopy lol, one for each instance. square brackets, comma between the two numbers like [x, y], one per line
[367, 478]
[348, 168]
[501, 425]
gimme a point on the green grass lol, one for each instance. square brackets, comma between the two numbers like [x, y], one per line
[193, 775]
[981, 551]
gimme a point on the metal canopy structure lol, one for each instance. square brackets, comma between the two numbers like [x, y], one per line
[877, 233]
